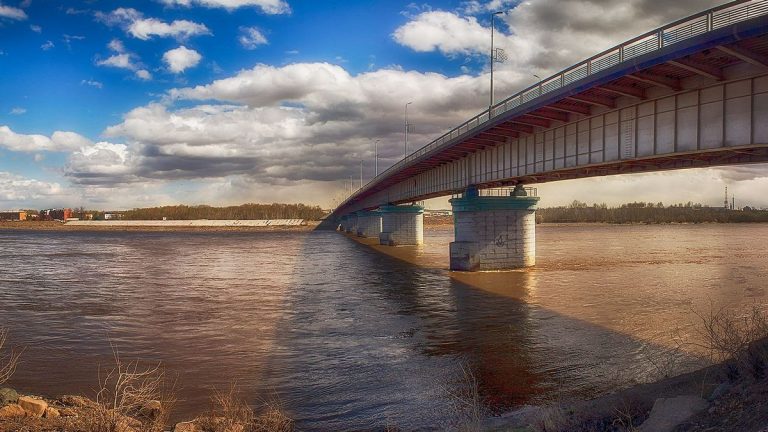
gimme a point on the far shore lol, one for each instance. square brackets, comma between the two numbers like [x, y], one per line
[95, 226]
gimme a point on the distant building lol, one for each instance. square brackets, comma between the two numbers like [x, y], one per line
[13, 216]
[56, 214]
[437, 213]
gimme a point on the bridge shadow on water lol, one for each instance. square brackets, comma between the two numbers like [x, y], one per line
[393, 343]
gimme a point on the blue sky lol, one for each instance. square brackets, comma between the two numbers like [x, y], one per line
[116, 104]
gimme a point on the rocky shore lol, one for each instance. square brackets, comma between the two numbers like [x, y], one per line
[26, 413]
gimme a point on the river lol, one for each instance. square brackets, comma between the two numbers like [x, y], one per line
[348, 336]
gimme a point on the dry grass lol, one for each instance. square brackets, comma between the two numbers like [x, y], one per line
[8, 362]
[130, 395]
[737, 338]
[230, 413]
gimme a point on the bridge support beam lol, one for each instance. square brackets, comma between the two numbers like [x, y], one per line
[401, 225]
[493, 232]
[368, 223]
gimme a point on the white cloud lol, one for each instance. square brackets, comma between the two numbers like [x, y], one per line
[100, 163]
[181, 59]
[121, 61]
[134, 23]
[251, 38]
[540, 36]
[272, 7]
[143, 74]
[445, 32]
[17, 111]
[36, 28]
[59, 141]
[116, 45]
[92, 83]
[15, 188]
[12, 13]
[47, 45]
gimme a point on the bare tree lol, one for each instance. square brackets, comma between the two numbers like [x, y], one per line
[8, 362]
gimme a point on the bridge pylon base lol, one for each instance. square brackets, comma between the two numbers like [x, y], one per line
[368, 224]
[401, 225]
[493, 232]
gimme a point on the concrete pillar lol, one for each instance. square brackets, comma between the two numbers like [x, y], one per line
[351, 226]
[493, 232]
[401, 225]
[369, 223]
[343, 223]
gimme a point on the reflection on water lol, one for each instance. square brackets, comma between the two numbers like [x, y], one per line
[348, 337]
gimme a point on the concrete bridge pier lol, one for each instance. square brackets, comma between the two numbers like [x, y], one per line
[351, 225]
[401, 225]
[493, 232]
[342, 225]
[369, 223]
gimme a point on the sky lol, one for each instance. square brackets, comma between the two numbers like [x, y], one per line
[127, 103]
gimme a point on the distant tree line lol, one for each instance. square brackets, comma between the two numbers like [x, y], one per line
[649, 213]
[241, 212]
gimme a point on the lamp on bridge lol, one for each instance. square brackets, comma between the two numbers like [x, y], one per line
[495, 56]
[405, 153]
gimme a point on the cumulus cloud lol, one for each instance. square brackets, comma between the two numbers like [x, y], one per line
[297, 123]
[143, 74]
[272, 7]
[13, 13]
[15, 188]
[101, 163]
[17, 111]
[122, 61]
[180, 59]
[251, 38]
[47, 45]
[134, 23]
[36, 28]
[59, 141]
[544, 35]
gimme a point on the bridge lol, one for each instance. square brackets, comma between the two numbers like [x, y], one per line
[693, 93]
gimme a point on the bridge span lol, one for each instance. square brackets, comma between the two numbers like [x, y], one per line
[693, 93]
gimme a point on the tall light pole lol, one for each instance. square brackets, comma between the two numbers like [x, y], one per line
[493, 53]
[405, 154]
[375, 157]
[361, 174]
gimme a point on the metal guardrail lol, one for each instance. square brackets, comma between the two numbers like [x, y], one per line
[670, 34]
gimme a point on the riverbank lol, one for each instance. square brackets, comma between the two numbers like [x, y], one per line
[139, 226]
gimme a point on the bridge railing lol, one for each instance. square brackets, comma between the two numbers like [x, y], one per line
[686, 28]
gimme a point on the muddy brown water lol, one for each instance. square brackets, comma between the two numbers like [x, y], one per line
[349, 336]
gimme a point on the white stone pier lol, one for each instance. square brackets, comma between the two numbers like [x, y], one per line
[368, 223]
[401, 225]
[493, 232]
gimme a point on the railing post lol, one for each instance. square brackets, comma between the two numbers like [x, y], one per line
[710, 20]
[589, 67]
[621, 53]
[660, 37]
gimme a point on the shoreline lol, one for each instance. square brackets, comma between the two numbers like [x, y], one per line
[68, 227]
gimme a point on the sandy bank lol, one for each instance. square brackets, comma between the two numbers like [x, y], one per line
[153, 226]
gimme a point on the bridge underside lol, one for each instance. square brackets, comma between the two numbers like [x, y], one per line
[698, 102]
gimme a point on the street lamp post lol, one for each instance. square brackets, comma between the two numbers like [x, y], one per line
[493, 54]
[375, 157]
[361, 174]
[538, 78]
[405, 153]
